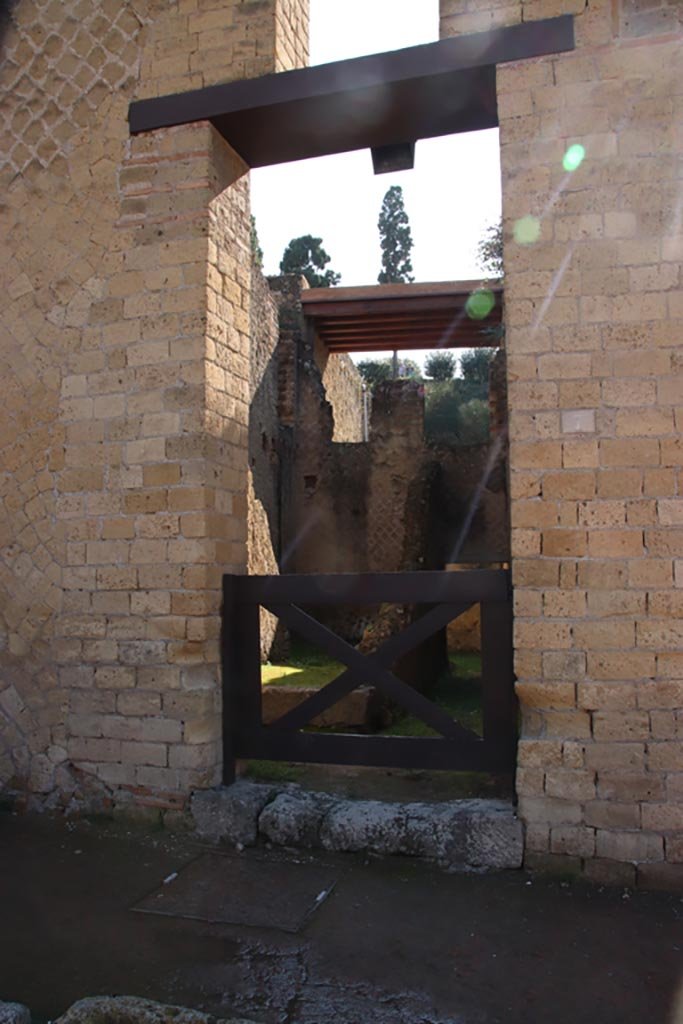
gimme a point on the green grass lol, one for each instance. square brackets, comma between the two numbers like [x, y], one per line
[305, 667]
[273, 771]
[465, 665]
[457, 692]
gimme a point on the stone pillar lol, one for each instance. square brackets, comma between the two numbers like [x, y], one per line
[594, 303]
[125, 318]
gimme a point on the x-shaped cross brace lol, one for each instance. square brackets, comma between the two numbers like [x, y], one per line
[370, 668]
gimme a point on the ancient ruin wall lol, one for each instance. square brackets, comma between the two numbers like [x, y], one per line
[344, 391]
[593, 335]
[125, 322]
[263, 496]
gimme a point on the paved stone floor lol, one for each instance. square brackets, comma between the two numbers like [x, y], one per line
[395, 943]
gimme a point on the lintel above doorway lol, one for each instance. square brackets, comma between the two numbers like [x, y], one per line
[386, 99]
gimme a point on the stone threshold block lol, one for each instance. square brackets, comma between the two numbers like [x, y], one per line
[362, 708]
[14, 1013]
[131, 1010]
[458, 835]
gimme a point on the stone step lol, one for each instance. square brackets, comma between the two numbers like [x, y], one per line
[132, 1010]
[458, 835]
[362, 708]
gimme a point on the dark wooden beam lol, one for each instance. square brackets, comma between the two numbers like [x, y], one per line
[411, 290]
[382, 100]
[371, 344]
[404, 316]
[373, 588]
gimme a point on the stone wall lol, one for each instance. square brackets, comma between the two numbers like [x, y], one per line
[344, 391]
[392, 503]
[593, 334]
[263, 497]
[347, 506]
[126, 278]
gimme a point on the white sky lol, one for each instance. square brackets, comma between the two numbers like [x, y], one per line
[451, 196]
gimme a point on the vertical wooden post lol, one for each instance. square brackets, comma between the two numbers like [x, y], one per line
[499, 703]
[241, 646]
[227, 648]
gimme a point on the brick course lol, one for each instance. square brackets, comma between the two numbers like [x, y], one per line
[595, 303]
[126, 276]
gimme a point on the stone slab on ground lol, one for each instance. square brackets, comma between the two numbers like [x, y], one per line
[236, 890]
[459, 835]
[230, 813]
[295, 818]
[131, 1010]
[358, 709]
[14, 1013]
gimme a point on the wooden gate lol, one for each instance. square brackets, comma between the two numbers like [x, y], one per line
[446, 595]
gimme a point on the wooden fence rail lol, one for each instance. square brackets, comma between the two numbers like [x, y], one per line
[446, 595]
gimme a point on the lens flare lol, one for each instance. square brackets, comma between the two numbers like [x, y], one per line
[480, 303]
[527, 230]
[574, 157]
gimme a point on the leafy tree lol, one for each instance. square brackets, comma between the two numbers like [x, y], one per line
[256, 250]
[474, 365]
[306, 256]
[374, 371]
[490, 251]
[456, 413]
[440, 365]
[474, 422]
[396, 239]
[442, 411]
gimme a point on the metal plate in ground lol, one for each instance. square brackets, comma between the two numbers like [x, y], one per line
[257, 893]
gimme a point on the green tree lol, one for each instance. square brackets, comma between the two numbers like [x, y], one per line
[490, 251]
[455, 414]
[474, 365]
[395, 238]
[474, 422]
[440, 365]
[305, 256]
[374, 371]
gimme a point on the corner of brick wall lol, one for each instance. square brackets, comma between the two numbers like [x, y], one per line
[127, 273]
[593, 339]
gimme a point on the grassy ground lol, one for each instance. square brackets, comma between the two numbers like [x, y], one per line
[457, 691]
[305, 667]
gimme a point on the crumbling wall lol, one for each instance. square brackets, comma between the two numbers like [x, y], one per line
[347, 507]
[263, 495]
[593, 317]
[344, 391]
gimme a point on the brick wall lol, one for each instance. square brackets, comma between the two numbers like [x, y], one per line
[126, 277]
[593, 336]
[263, 497]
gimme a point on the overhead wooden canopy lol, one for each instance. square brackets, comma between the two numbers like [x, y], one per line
[385, 99]
[392, 317]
